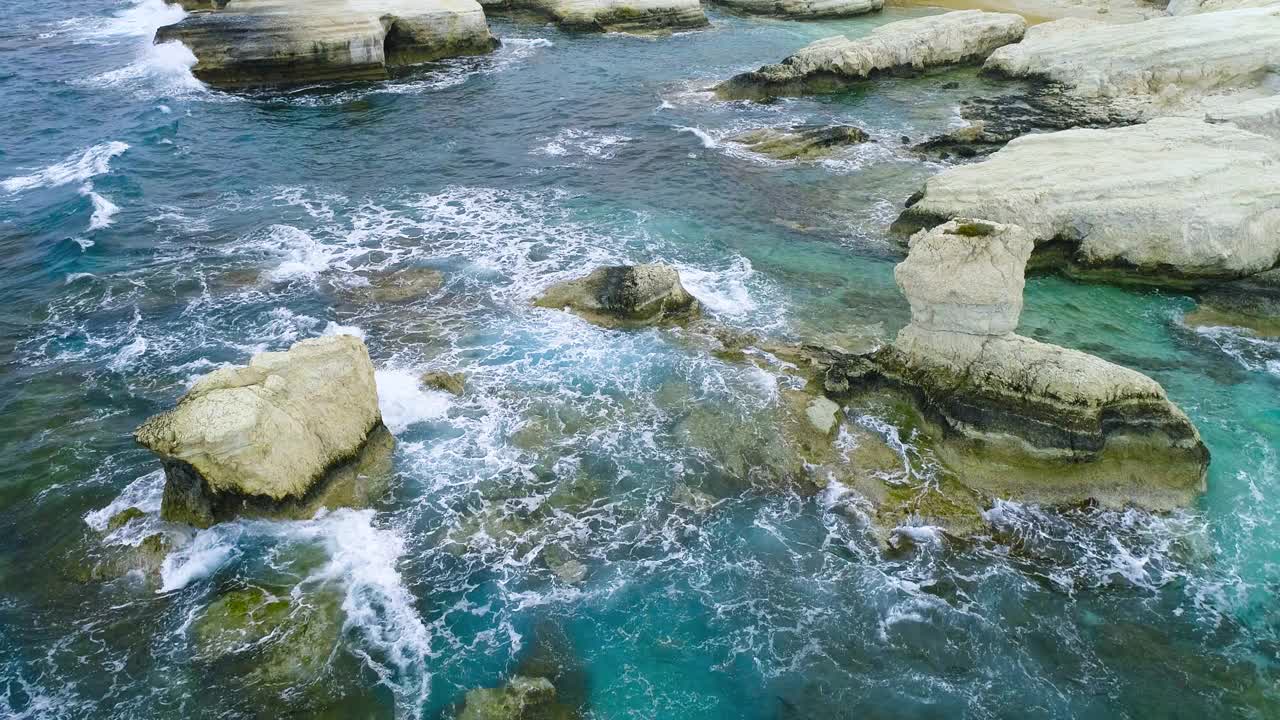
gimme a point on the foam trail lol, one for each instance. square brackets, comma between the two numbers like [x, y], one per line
[202, 557]
[77, 168]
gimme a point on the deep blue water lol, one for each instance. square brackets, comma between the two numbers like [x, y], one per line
[153, 229]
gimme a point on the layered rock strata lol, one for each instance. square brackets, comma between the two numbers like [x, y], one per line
[262, 43]
[1021, 418]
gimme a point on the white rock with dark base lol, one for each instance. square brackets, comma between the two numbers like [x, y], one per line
[965, 36]
[266, 438]
[1158, 67]
[1174, 201]
[262, 43]
[631, 16]
[804, 9]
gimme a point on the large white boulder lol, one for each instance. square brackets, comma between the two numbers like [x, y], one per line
[256, 43]
[1161, 66]
[964, 36]
[266, 436]
[1173, 200]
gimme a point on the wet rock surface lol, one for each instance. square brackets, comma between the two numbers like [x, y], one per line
[802, 143]
[625, 296]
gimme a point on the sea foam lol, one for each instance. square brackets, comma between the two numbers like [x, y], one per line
[76, 168]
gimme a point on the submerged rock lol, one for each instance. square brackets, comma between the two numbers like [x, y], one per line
[635, 16]
[273, 640]
[966, 36]
[802, 143]
[255, 43]
[806, 9]
[1020, 418]
[625, 296]
[522, 698]
[452, 383]
[1154, 67]
[275, 437]
[1252, 304]
[395, 286]
[1173, 201]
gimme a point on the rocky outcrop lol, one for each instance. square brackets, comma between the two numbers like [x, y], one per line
[1174, 201]
[287, 433]
[805, 9]
[633, 16]
[802, 143]
[993, 121]
[1020, 418]
[966, 36]
[257, 43]
[625, 296]
[1252, 304]
[1157, 67]
[523, 698]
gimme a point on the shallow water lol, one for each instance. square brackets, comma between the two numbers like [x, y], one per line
[153, 229]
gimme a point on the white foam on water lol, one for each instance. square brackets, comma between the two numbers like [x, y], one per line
[404, 402]
[723, 292]
[103, 209]
[208, 552]
[304, 257]
[159, 70]
[144, 493]
[1253, 353]
[574, 141]
[333, 328]
[76, 168]
[396, 644]
[705, 137]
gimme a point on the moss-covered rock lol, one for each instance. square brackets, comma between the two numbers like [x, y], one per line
[272, 639]
[452, 383]
[522, 698]
[802, 143]
[625, 296]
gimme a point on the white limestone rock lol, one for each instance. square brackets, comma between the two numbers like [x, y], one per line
[965, 36]
[964, 276]
[1175, 200]
[634, 16]
[806, 9]
[1192, 7]
[260, 43]
[1158, 67]
[1260, 115]
[266, 435]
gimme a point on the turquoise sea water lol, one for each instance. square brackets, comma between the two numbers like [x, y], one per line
[153, 229]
